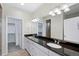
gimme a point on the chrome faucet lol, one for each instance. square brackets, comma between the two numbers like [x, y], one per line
[57, 41]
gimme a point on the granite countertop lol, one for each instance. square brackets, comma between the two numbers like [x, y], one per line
[68, 49]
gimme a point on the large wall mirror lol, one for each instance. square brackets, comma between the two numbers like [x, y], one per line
[71, 25]
[71, 30]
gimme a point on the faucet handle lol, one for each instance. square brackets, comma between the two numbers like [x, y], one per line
[55, 41]
[58, 42]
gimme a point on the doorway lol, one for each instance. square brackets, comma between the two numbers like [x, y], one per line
[48, 28]
[14, 34]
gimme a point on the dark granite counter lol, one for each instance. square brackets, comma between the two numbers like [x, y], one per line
[68, 49]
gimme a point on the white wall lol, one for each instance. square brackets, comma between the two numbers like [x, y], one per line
[56, 26]
[56, 22]
[17, 13]
[0, 29]
[44, 28]
[71, 30]
[34, 27]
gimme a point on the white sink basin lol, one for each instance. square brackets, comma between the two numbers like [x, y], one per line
[53, 45]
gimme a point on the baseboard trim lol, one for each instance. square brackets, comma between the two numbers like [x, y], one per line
[28, 52]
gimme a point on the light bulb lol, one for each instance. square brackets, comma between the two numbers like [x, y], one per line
[35, 20]
[52, 13]
[67, 9]
[22, 3]
[57, 11]
[64, 7]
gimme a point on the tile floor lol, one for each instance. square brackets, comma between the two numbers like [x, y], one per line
[12, 47]
[20, 52]
[16, 50]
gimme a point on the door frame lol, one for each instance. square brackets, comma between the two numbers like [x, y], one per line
[48, 30]
[7, 32]
[38, 27]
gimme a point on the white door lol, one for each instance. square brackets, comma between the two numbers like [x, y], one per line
[18, 23]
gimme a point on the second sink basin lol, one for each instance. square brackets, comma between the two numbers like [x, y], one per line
[54, 45]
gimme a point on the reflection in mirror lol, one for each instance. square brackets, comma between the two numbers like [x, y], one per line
[40, 29]
[71, 25]
[71, 30]
[56, 28]
[48, 28]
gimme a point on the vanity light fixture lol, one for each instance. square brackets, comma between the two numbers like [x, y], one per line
[52, 13]
[57, 11]
[35, 20]
[65, 8]
[22, 4]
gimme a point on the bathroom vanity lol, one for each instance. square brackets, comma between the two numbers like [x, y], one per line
[37, 46]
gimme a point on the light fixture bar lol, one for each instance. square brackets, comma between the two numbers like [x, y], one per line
[22, 4]
[64, 8]
[67, 9]
[35, 20]
[52, 13]
[57, 11]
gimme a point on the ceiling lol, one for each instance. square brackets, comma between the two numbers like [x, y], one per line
[30, 7]
[74, 9]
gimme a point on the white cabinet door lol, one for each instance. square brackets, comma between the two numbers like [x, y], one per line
[37, 50]
[27, 44]
[41, 53]
[34, 51]
[43, 49]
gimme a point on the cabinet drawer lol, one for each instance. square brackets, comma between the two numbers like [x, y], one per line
[34, 51]
[43, 49]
